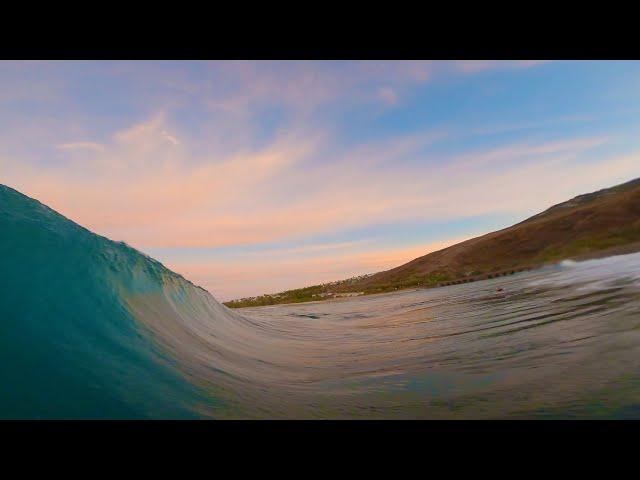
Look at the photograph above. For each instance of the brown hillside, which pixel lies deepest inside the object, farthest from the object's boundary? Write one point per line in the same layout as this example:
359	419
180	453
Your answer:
585	224
596	224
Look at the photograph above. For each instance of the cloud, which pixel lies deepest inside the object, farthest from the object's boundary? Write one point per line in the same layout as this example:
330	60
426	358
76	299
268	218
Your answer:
477	66
241	87
388	95
170	138
80	146
154	193
511	127
162	188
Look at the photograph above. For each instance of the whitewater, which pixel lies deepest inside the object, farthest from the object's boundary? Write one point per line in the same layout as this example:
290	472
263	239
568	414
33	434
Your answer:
94	329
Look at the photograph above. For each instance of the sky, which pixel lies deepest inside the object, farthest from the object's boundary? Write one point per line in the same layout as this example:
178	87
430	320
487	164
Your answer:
256	177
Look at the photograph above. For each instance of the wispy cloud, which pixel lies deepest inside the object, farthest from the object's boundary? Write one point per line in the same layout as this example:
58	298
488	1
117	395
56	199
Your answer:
80	146
476	66
511	127
167	197
388	95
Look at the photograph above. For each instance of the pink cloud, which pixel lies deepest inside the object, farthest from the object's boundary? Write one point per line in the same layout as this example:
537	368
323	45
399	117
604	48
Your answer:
80	146
477	66
150	192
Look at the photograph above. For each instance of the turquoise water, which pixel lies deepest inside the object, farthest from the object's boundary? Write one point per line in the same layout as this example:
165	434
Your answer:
69	346
91	328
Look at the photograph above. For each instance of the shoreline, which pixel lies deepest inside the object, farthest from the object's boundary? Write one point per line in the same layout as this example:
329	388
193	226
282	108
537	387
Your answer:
608	252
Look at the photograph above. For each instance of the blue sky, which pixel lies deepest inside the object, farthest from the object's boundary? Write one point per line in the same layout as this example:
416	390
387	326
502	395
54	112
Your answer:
253	177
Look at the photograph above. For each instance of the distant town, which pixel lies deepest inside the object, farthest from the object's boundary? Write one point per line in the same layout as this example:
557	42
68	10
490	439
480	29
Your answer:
323	291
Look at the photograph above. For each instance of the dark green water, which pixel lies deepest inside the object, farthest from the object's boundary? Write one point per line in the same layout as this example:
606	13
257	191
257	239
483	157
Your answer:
91	328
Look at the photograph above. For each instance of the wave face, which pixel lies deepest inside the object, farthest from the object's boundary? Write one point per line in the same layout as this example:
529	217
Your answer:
91	328
69	344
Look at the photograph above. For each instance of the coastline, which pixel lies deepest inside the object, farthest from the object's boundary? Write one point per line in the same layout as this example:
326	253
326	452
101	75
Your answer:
594	255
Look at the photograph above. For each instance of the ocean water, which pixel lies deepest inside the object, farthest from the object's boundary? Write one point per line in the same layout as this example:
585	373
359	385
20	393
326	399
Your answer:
91	328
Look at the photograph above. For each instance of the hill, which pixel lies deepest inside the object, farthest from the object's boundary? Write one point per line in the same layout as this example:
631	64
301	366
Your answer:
595	224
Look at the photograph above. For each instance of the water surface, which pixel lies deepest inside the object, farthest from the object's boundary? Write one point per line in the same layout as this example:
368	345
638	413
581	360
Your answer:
560	342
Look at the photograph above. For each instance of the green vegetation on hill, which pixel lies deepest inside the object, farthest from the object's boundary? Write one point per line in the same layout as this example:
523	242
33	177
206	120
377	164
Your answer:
306	294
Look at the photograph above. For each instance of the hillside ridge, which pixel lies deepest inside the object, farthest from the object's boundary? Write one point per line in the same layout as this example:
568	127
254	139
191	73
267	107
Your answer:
600	223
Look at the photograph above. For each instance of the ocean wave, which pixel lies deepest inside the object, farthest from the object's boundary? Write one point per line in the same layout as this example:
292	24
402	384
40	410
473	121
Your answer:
92	328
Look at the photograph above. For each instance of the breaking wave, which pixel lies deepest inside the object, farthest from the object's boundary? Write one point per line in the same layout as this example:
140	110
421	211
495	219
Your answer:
92	328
